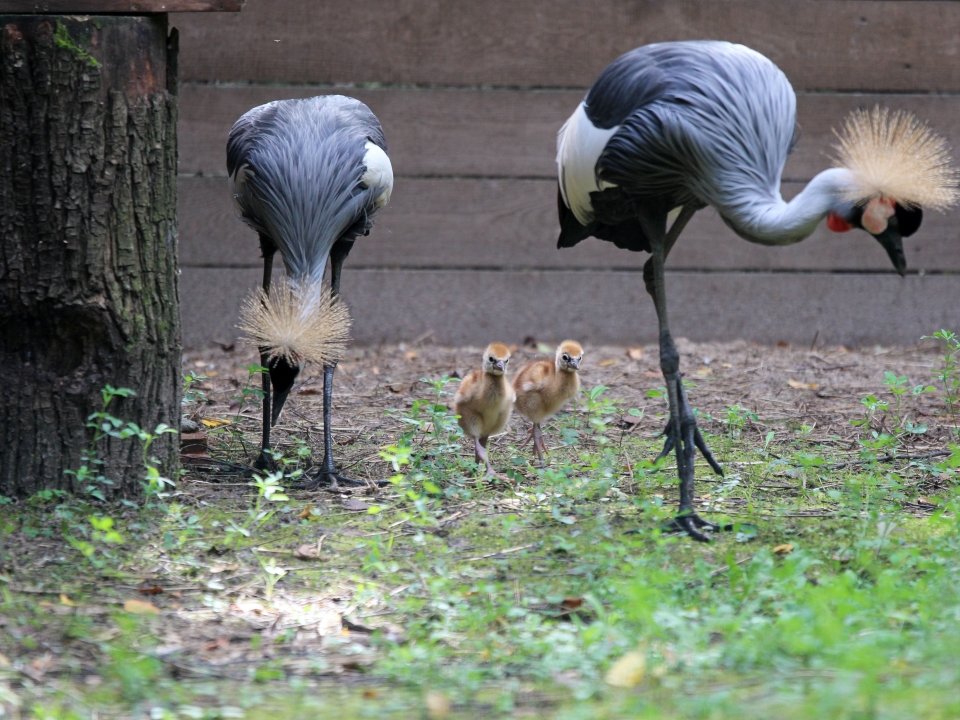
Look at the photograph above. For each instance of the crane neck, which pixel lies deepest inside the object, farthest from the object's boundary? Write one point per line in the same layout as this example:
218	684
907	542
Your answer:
774	221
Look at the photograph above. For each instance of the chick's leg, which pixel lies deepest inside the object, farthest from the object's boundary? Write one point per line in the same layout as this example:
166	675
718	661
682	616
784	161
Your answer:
682	431
538	445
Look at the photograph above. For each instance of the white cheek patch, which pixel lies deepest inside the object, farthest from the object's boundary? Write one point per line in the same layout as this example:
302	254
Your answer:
877	215
378	173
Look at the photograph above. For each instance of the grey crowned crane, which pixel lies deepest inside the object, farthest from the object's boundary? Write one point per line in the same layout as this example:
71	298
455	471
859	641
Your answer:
308	176
670	128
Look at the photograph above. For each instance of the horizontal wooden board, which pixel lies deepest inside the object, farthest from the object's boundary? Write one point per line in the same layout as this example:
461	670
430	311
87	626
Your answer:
820	44
500	132
474	308
469	223
125	7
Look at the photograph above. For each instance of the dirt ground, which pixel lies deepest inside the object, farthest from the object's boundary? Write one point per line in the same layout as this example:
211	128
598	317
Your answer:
213	613
786	387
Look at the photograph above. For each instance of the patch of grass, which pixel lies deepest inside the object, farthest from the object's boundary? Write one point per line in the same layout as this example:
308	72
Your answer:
444	595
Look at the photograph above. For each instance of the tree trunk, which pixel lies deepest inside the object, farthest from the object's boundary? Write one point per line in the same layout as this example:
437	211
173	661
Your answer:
88	244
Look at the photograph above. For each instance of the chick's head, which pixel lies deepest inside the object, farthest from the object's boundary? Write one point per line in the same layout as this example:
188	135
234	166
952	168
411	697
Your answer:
495	359
569	355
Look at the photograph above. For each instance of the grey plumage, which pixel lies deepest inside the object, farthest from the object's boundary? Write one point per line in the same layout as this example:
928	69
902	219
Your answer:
698	123
674	127
295	168
309	176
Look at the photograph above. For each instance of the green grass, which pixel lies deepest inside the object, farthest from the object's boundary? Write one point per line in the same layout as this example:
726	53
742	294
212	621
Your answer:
835	594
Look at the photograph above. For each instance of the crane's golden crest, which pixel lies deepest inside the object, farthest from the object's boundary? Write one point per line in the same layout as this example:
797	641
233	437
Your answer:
895	156
300	322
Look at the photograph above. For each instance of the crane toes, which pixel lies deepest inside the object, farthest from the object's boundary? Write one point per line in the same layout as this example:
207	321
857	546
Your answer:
691	524
265	463
332	480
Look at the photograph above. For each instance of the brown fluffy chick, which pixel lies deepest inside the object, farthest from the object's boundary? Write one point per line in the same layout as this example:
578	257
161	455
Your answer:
484	401
543	387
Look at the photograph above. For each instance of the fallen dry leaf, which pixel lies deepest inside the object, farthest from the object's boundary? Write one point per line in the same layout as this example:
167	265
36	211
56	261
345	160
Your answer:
5	661
926	501
608	363
215	422
410	355
797	385
307	551
306	513
214	569
652	374
397	388
330	624
783	549
704	371
634	353
355	505
150	590
64	600
310	391
627	671
437	704
140	607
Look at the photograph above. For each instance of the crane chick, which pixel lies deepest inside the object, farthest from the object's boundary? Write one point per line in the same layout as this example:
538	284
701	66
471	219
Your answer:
484	401
542	387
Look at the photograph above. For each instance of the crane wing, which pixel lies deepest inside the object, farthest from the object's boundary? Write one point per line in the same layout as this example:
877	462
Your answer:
308	172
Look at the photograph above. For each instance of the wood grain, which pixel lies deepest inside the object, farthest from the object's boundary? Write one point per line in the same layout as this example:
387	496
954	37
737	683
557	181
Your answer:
125	7
466	223
473	308
875	45
501	132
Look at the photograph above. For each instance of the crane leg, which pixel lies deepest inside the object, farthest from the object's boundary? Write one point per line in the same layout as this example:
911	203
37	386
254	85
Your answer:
328	474
265	460
682	433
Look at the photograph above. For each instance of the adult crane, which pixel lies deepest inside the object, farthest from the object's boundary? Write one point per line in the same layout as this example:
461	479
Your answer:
670	128
308	175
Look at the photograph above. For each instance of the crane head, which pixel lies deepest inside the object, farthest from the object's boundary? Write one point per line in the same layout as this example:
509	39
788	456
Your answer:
888	221
282	376
897	165
495	359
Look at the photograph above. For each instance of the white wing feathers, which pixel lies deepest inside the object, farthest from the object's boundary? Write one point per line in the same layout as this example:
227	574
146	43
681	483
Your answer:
379	173
579	145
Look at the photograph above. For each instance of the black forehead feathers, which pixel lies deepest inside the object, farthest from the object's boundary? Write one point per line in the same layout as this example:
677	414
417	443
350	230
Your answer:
908	219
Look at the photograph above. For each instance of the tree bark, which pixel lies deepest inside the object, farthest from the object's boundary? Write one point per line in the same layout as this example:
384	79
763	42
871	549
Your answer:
88	244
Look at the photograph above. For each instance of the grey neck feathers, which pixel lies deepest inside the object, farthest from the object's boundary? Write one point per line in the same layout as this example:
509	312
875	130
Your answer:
773	221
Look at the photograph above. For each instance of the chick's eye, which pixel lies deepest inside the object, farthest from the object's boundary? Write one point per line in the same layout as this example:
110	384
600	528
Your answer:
492	359
566	357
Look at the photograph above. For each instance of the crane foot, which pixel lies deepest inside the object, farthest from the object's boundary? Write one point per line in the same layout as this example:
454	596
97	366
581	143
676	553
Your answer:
332	480
670	443
692	524
265	463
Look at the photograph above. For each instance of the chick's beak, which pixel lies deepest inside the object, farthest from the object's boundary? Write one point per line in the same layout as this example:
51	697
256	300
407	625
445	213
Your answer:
893	243
574	363
499	365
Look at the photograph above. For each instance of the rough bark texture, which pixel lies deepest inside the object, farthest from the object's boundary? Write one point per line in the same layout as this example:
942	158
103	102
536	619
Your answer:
88	244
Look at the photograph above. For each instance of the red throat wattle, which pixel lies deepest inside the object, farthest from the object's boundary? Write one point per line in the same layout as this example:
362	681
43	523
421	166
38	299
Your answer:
836	223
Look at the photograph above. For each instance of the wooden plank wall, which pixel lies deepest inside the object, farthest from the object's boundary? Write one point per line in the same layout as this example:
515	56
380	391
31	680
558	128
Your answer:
471	96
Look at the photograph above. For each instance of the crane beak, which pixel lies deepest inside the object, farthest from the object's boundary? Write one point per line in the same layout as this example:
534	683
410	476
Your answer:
282	377
893	243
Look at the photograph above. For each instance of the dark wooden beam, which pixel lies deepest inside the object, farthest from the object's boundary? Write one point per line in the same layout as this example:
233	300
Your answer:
116	7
